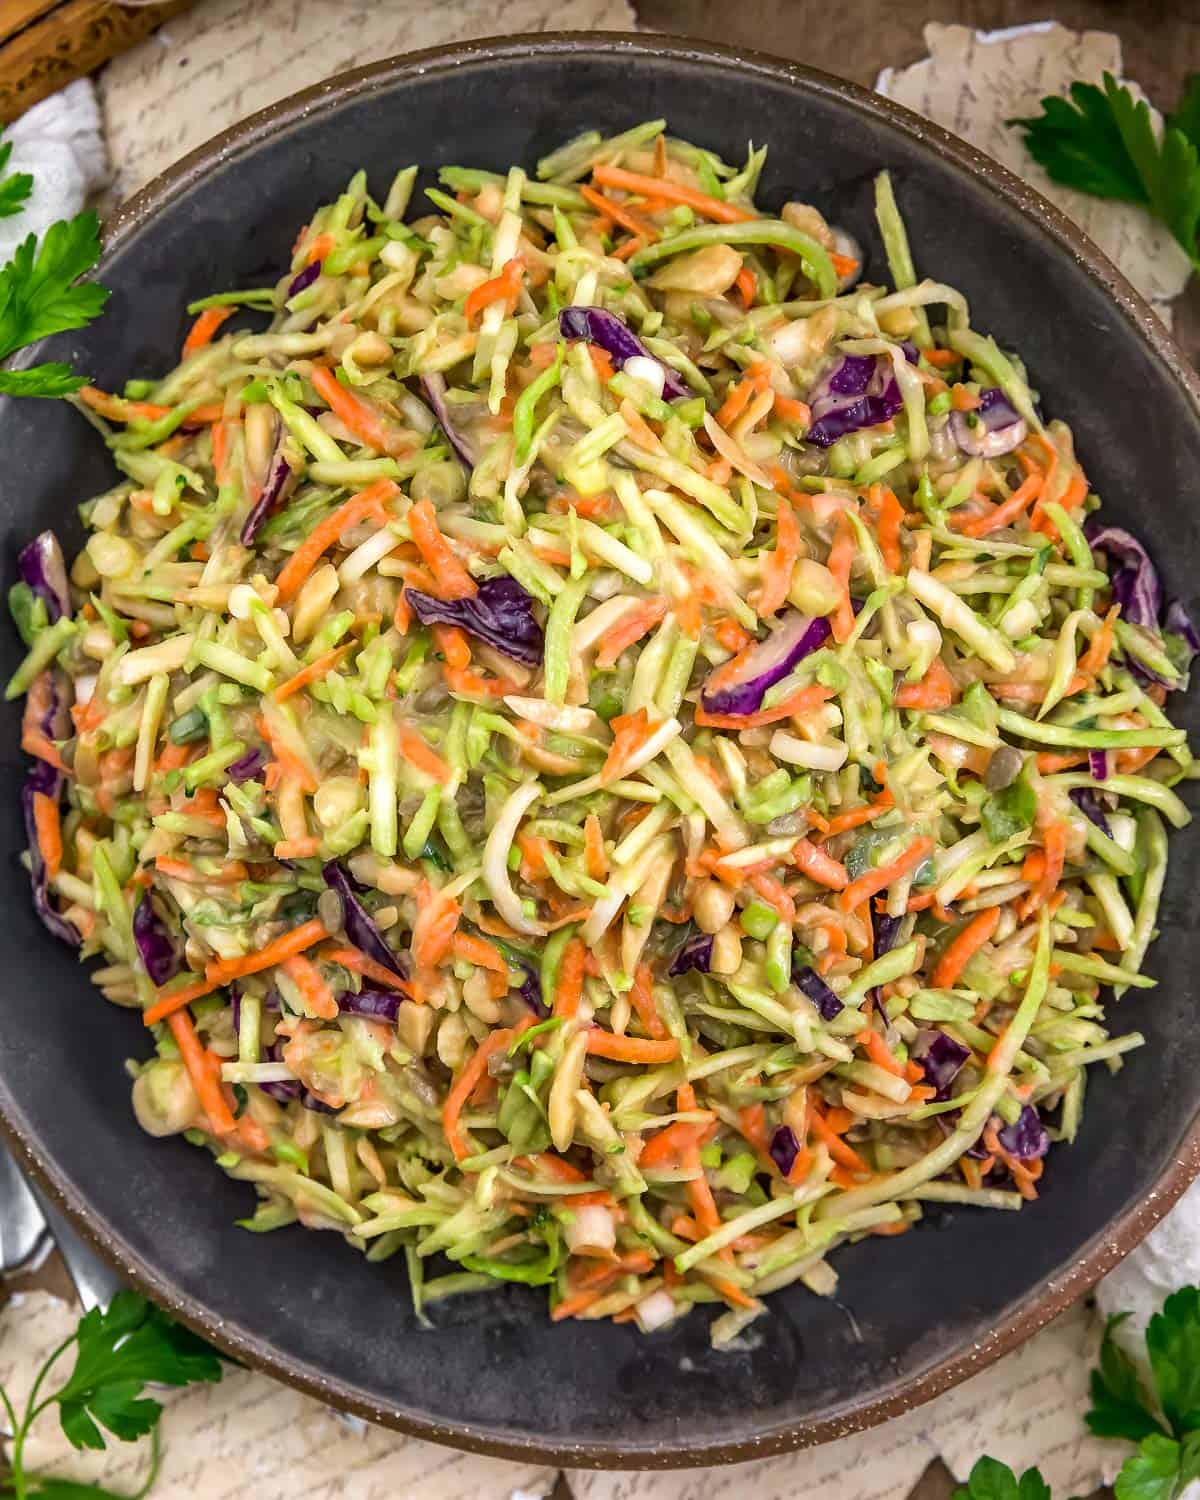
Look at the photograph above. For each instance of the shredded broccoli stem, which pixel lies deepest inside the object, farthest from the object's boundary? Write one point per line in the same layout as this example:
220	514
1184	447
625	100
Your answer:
560	732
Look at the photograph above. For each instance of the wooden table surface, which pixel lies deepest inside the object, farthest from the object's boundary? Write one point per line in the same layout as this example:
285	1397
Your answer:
1161	41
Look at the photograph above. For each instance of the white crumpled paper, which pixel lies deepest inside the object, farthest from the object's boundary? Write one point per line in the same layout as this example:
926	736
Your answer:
973	82
58	141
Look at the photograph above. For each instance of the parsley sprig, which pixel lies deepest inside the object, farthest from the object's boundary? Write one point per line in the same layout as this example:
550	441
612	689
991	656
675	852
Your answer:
40	290
15	188
1102	141
118	1352
1164	1420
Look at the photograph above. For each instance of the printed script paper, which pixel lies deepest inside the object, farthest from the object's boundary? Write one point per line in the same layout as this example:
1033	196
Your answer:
216	64
204	71
248	1433
972	82
248	1436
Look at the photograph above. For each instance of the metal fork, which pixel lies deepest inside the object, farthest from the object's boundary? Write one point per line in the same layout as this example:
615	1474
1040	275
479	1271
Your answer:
29	1224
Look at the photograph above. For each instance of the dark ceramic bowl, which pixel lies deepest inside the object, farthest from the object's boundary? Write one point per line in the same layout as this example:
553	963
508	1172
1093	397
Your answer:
911	1315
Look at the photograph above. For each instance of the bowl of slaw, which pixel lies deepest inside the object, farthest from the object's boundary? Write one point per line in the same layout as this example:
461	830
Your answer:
906	1320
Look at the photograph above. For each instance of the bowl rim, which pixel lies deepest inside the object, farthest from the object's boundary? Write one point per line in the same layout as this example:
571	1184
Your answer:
1043	1302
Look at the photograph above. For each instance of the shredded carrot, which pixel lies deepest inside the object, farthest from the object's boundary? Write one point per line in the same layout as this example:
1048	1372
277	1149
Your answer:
844	1155
178	869
453	580
298	848
437	920
368	502
505	288
963	399
792	410
602	364
936	690
889	524
48	824
290	763
116	409
802	701
312	673
630	732
840	561
568	988
631	627
220	450
222	970
964	946
775	896
359	963
35	743
321	246
619	214
671	192
941	359
631	1049
478	951
867	885
1095	658
738	398
1054	849
641	997
204	1071
533	854
307	978
417	752
173	757
204	416
1052	761
1003	514
640	431
879	1052
819	866
747	284
204	328
594	853
671	1144
474	1069
1129	761
731	635
752	1122
842	822
778	566
362	417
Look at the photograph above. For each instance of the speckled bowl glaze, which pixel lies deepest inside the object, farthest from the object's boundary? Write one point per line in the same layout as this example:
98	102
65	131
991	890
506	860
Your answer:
911	1316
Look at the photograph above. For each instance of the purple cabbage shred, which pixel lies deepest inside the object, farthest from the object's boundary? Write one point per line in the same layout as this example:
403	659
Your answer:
694	953
500	613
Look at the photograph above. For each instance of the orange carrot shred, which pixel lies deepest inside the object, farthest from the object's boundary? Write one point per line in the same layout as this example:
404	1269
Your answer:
205	326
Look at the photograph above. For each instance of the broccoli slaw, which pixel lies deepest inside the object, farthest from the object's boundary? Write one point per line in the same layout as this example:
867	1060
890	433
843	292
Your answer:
608	751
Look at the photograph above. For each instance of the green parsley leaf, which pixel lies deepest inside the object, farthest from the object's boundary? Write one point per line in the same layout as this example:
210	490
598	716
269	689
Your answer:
1119	1405
120	1351
1103	142
1173	1341
1186	118
1189	1461
40	380
1153	1471
15	188
66	1489
38	291
992	1480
